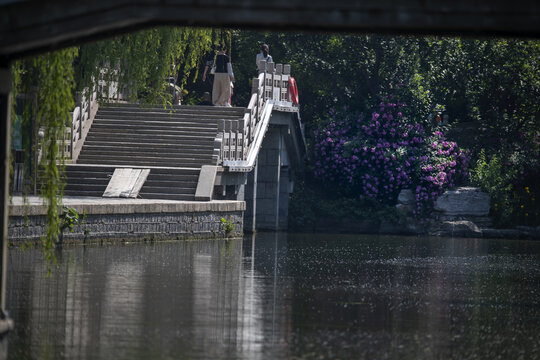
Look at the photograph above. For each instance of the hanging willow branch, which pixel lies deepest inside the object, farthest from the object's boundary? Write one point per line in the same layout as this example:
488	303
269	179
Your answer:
141	62
55	103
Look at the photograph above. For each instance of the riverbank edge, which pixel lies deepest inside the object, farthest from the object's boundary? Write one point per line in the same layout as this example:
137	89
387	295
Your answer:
458	228
108	220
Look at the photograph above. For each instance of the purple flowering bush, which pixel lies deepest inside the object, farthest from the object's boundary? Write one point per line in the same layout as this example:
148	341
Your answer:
375	157
441	166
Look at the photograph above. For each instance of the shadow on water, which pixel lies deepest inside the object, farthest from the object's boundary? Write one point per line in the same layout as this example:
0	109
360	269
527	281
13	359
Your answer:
278	295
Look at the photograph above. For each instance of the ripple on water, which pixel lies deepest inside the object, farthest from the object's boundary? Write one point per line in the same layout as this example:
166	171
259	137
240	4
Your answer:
306	296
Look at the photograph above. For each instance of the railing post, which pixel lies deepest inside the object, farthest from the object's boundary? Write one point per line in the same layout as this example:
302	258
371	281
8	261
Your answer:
76	131
238	149
234	132
255	90
246	135
287	71
71	144
279	76
221	129
271	72
228	140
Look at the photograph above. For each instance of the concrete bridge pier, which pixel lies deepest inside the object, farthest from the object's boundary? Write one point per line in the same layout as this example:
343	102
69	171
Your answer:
270	183
267	190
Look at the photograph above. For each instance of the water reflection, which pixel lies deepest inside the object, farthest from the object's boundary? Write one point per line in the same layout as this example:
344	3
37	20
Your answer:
280	296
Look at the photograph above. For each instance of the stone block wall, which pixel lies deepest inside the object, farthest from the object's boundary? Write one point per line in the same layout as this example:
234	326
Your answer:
134	220
133	226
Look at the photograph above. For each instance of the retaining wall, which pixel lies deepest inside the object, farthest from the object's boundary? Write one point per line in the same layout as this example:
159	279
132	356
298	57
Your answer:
139	220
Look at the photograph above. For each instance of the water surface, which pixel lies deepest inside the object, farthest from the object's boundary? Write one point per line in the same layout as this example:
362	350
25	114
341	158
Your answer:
280	296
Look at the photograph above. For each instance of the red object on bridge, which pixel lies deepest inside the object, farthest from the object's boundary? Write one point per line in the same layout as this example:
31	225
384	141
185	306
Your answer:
293	91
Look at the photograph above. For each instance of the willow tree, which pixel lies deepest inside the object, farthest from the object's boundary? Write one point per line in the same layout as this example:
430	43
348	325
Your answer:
52	76
140	61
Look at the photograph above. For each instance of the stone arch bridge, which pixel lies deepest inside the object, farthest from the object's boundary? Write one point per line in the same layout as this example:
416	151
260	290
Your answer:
192	153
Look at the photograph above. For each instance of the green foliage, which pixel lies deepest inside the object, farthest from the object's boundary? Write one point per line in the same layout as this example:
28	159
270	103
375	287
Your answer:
494	83
227	226
52	76
311	203
513	196
71	217
56	101
142	62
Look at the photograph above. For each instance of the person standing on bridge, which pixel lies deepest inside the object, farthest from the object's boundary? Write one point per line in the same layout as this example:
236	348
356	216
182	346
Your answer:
221	91
264	55
208	66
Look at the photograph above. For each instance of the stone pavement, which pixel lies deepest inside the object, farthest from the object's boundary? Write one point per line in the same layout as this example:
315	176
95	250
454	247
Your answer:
34	205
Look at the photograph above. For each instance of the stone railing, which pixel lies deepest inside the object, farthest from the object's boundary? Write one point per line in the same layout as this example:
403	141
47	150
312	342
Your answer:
240	140
86	105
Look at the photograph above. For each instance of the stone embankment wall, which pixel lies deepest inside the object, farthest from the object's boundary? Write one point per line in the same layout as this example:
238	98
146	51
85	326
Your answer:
462	212
136	221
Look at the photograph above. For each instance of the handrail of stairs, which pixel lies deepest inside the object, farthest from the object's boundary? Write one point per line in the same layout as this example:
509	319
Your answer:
242	139
86	106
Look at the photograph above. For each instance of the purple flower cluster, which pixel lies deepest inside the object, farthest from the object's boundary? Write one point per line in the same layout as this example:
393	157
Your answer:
378	156
440	167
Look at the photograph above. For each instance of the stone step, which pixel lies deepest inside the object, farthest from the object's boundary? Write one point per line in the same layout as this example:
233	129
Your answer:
154	132
175	147
153	170
174	109
111	151
174	143
122	137
159	174
165	122
163	116
77	171
82	180
182	145
142	195
85	187
135	156
184	197
176	112
173	183
161	180
144	162
149	187
79	192
121	124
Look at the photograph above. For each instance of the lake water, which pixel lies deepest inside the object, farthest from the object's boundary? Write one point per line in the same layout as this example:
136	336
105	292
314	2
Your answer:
280	296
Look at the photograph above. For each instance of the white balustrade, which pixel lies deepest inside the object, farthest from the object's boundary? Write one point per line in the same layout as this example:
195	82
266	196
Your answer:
85	102
243	138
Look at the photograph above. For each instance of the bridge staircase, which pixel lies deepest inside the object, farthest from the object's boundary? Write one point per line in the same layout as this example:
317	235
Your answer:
174	143
197	153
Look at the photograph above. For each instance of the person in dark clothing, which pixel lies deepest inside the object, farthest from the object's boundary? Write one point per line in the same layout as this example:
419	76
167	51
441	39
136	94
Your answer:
221	91
209	62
